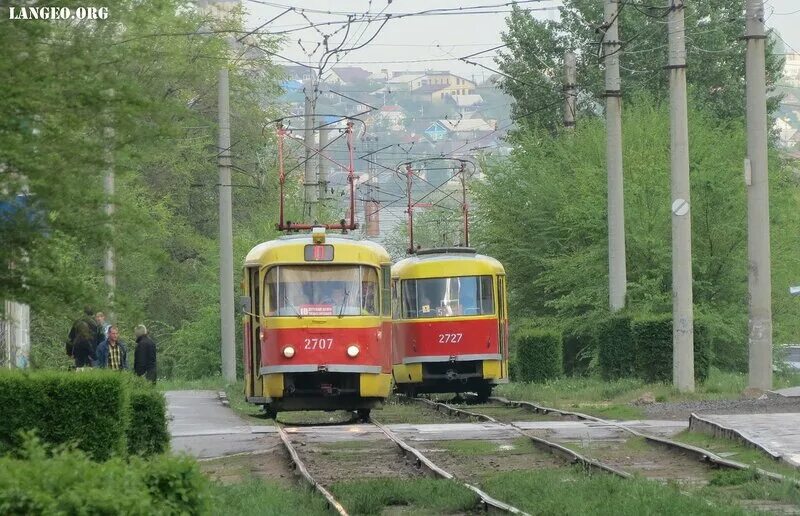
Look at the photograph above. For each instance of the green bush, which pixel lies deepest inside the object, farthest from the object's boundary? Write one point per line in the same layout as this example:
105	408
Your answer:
69	482
578	350
87	408
616	352
653	339
538	354
147	430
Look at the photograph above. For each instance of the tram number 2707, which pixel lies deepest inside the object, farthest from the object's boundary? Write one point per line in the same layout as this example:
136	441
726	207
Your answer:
318	343
450	338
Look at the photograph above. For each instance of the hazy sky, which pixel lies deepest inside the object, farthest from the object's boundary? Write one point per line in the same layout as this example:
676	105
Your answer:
434	41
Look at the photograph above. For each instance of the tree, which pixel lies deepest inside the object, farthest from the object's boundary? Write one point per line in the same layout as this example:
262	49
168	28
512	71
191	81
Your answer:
148	75
532	63
556	255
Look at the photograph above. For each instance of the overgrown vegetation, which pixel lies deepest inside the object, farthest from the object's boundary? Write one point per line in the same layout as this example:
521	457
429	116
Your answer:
257	497
559	275
574	491
66	481
424	495
613	398
142	73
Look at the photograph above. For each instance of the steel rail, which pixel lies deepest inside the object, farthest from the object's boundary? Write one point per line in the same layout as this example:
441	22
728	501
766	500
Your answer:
570	455
301	467
703	455
421	460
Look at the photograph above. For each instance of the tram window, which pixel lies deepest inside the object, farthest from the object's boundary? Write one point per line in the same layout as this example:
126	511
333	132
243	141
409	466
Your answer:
487	306
322	290
272	291
395	300
447	297
386	272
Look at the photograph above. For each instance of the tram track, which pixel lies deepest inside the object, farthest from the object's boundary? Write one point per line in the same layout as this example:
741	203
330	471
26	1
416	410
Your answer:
658	448
415	463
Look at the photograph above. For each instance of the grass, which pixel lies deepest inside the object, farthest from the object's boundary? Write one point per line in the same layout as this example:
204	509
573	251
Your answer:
736	451
472	447
574	491
396	411
209	383
613	398
415	496
257	497
746	485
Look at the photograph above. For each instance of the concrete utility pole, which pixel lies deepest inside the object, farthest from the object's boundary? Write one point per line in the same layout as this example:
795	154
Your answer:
225	232
682	308
758	252
309	176
322	174
569	90
109	265
617	274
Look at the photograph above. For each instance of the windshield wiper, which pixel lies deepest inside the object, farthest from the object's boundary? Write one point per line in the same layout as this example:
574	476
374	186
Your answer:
286	302
344	303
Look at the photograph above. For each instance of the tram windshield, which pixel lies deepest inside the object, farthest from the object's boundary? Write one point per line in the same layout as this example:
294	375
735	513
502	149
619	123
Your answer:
447	297
322	290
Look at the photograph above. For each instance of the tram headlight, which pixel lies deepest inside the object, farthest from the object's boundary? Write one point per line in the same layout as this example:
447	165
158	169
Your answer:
288	351
352	351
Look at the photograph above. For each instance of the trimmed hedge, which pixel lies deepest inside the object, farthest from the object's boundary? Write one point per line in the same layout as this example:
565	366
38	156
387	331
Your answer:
147	432
538	354
87	408
653	338
616	351
578	350
71	483
103	413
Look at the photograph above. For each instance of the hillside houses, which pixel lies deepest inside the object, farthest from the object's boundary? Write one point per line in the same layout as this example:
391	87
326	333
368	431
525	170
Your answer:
401	116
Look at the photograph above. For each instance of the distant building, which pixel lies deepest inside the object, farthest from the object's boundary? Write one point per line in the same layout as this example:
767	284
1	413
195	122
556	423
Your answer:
406	82
461	128
393	117
465	104
298	73
347	75
791	69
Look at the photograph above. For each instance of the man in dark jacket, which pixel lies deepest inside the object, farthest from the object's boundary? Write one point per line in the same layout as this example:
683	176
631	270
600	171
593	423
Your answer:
81	349
85	324
112	353
144	358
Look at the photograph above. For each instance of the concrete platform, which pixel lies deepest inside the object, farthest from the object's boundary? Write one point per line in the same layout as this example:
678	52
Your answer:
777	434
202	426
789	392
196	413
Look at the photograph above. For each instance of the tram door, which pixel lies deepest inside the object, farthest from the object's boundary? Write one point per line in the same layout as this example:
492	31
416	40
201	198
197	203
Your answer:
255	329
502	319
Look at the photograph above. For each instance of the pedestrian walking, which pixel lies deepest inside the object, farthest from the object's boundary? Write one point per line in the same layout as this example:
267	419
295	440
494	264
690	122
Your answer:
144	358
112	353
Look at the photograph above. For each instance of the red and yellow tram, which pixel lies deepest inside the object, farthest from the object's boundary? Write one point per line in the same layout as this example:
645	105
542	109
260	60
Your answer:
317	324
450	322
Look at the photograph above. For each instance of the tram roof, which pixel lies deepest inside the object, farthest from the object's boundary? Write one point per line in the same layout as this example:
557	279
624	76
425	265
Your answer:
434	263
290	249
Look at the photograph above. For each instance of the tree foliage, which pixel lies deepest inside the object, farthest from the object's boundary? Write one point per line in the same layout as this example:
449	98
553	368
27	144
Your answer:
532	63
136	92
552	233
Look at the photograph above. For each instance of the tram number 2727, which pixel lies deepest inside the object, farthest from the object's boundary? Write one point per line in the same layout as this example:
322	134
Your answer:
450	338
318	343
